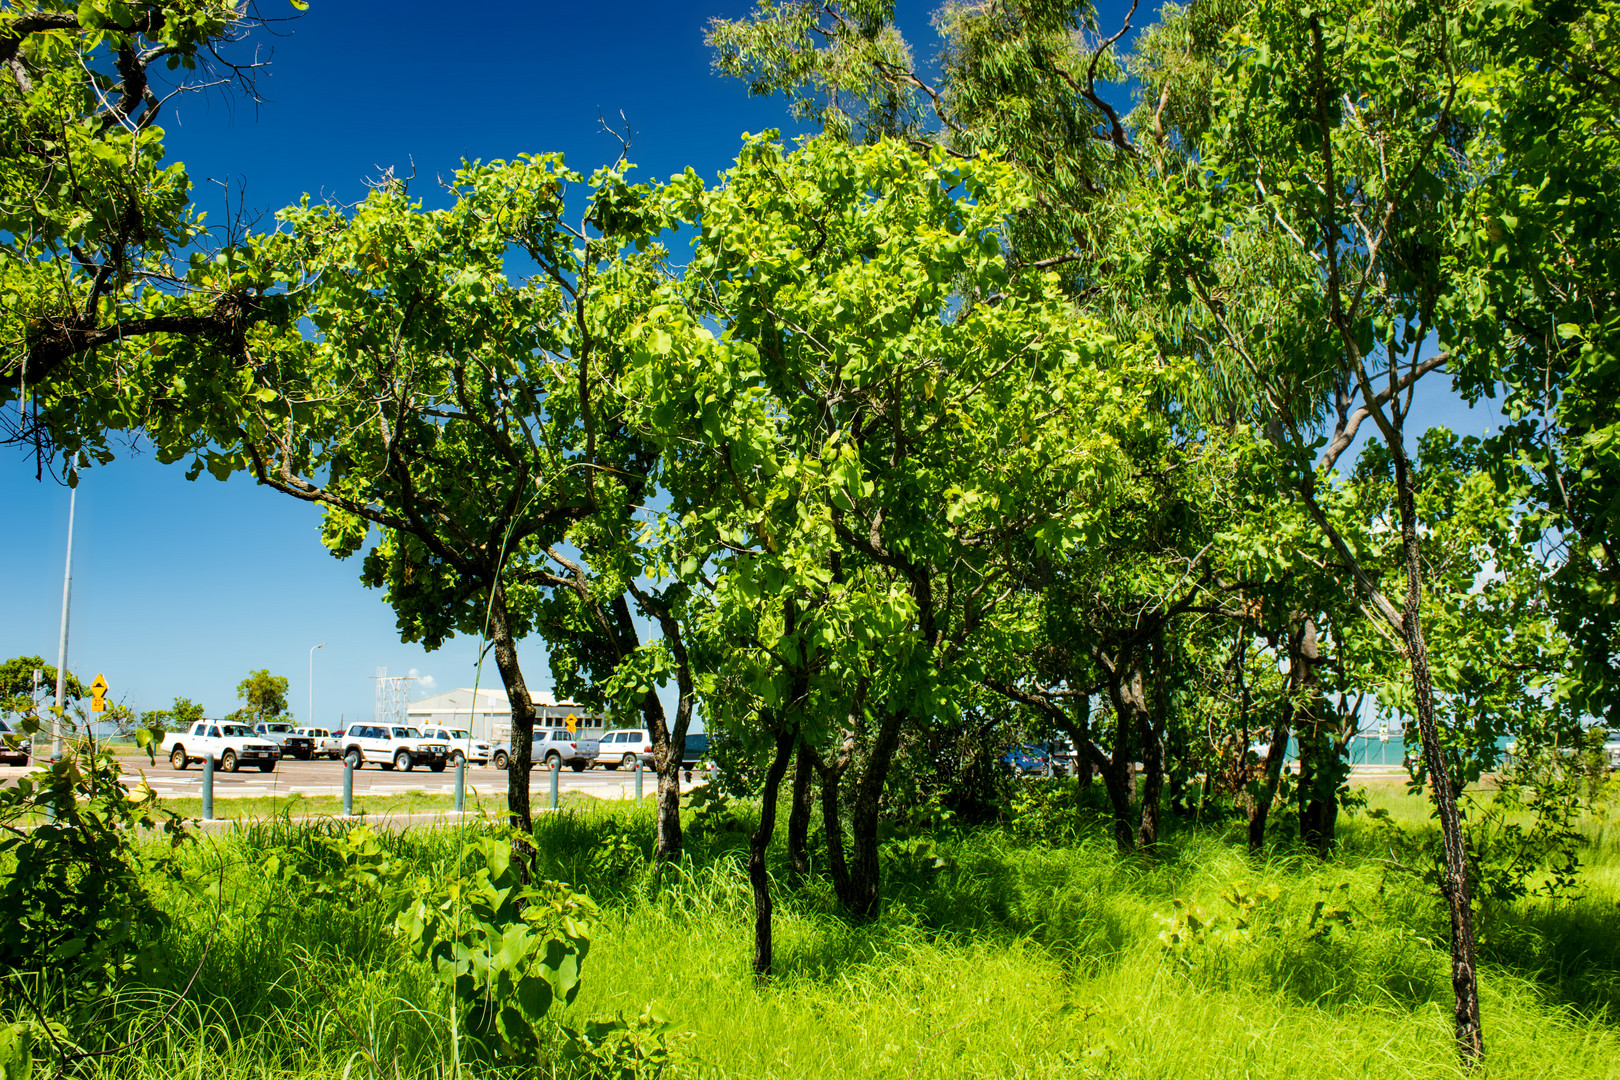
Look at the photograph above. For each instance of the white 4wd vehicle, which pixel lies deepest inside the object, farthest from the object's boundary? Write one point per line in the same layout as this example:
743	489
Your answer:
325	742
463	747
551	745
400	748
230	745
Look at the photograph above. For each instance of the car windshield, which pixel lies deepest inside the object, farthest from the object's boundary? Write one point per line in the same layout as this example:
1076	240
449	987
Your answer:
4	727
279	729
461	734
235	731
407	733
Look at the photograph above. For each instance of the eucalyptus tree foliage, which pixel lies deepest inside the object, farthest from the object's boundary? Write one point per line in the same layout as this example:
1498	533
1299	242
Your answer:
1501	659
1335	144
95	224
885	422
1016	78
1539	308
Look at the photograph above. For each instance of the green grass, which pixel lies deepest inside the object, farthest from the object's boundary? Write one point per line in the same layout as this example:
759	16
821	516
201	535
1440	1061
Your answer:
994	956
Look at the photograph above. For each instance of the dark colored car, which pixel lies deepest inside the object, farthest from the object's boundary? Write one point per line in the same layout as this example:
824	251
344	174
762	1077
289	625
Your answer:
1029	760
293	743
16	749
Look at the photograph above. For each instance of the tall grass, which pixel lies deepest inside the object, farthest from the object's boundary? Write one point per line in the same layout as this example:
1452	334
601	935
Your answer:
995	955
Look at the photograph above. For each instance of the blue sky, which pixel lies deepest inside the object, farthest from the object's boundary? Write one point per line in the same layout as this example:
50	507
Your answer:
181	587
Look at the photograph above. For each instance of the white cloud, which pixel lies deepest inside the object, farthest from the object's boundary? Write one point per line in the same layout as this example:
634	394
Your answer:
425	681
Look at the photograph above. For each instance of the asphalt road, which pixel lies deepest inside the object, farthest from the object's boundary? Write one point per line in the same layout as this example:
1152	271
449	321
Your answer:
326	778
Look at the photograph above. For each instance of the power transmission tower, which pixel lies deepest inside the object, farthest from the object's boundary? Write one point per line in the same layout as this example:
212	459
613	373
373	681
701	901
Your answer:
392	691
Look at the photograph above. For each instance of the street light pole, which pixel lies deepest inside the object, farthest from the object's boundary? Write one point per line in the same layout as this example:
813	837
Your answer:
61	648
309	721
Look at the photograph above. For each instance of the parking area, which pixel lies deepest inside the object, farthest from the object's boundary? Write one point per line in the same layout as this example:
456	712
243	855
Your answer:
326	778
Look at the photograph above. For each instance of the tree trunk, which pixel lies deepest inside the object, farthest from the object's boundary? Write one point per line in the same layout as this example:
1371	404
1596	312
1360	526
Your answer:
798	838
517	693
668	741
1116	778
1125	692
758	875
864	871
1318	772
669	745
837	864
1272	771
1147	834
1454	883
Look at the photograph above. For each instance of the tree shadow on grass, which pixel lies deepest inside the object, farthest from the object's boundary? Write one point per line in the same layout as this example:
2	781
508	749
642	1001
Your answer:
1568	949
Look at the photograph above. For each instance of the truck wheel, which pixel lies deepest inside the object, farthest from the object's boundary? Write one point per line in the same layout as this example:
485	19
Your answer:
436	766
227	761
402	761
458	759
628	761
501	761
353	759
178	758
267	766
610	766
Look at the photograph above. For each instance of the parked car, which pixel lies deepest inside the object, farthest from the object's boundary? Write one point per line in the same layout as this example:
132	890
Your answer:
229	745
1061	753
463	747
1028	760
578	752
401	748
1611	754
15	747
621	748
326	743
293	744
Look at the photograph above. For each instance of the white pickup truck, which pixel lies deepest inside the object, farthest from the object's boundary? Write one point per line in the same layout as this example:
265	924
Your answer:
551	748
230	745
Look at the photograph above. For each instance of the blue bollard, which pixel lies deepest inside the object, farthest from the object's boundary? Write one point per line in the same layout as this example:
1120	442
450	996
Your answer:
556	771
461	787
208	786
638	778
348	789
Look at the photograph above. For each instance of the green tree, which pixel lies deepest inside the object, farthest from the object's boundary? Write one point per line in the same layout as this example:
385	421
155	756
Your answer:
94	225
1538	321
17	686
178	717
454	421
887	417
264	696
1309	225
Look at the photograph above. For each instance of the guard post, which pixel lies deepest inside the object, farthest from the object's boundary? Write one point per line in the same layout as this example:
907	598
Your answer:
348	788
556	771
638	777
461	786
208	785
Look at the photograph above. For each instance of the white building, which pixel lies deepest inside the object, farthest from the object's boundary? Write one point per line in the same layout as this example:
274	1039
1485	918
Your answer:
490	715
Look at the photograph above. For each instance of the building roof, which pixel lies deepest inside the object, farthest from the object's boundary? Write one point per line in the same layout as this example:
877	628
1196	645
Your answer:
489	700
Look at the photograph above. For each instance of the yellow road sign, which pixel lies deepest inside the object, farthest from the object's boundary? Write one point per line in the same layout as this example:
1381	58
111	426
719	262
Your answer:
572	722
98	693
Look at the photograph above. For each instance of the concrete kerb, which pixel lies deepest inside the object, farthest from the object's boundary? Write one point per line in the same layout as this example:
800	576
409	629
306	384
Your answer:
394	822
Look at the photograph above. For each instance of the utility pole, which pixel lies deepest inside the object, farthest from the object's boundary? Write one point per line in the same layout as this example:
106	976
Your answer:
309	719
60	712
